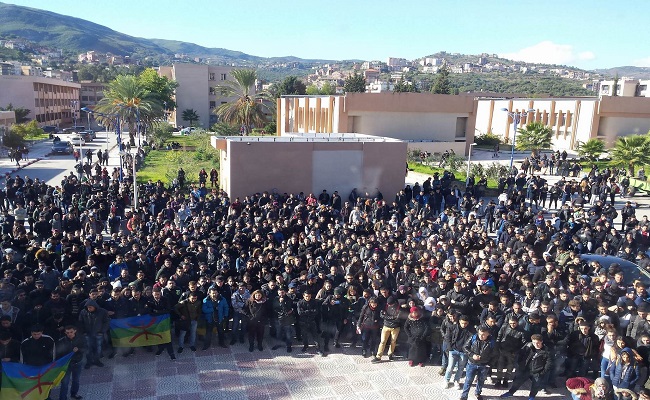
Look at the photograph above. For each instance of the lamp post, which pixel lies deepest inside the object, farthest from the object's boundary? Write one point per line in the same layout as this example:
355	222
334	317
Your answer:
516	118
73	104
469	158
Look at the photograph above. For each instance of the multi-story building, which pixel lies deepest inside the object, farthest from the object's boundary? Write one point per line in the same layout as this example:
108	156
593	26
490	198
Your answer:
195	91
50	101
625	87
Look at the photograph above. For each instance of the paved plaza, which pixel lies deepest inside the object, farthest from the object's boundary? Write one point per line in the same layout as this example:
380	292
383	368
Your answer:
236	374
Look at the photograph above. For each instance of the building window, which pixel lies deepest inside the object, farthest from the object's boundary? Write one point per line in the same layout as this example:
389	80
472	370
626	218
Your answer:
211	90
213	104
211	76
640	90
223	77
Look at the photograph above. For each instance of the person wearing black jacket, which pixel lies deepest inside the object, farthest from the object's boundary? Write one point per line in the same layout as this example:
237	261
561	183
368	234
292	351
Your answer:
258	311
159	305
71	343
534	364
9	347
481	352
457	335
582	348
390	330
368	325
38	349
335	313
283	311
308	314
509	341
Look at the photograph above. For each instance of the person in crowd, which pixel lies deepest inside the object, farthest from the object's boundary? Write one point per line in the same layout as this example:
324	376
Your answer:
258	309
534	364
76	344
417	331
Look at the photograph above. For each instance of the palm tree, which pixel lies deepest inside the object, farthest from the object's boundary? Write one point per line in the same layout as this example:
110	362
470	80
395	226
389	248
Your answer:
246	109
127	97
535	136
631	151
190	115
591	149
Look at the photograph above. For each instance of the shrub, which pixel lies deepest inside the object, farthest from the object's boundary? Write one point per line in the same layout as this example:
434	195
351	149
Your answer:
270	128
487	139
224	129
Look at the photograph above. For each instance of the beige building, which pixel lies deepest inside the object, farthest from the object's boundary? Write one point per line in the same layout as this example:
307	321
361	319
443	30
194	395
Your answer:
195	91
573	120
7	118
437	123
51	101
625	87
310	163
427	121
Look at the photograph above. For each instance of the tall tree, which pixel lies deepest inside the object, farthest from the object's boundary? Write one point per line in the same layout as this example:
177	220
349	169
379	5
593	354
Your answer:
442	85
535	136
161	87
631	151
190	115
247	107
128	97
355	83
291	85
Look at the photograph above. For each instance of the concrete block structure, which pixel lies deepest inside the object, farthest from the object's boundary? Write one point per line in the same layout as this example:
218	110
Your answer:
309	163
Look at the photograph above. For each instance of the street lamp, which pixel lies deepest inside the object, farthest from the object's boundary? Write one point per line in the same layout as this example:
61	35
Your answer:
516	118
73	104
469	158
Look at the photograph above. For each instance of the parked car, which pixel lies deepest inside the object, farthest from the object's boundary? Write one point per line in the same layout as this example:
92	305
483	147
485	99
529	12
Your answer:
87	135
62	147
78	139
631	271
73	129
187	131
50	129
92	134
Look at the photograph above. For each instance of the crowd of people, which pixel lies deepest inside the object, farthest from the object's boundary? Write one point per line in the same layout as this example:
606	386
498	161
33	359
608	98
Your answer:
421	278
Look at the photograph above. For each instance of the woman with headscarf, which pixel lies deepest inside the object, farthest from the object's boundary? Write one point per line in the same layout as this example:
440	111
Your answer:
584	389
417	331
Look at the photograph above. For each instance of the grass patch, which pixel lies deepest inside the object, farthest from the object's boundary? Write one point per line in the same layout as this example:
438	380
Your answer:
37	137
460	176
163	165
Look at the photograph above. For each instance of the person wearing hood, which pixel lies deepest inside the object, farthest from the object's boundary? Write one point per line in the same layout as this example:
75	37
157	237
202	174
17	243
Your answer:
624	373
94	322
417	331
586	389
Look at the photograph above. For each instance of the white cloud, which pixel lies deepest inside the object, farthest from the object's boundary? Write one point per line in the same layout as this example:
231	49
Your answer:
642	62
548	52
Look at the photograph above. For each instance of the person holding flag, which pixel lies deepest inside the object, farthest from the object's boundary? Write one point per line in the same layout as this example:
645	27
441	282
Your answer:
75	344
159	305
94	322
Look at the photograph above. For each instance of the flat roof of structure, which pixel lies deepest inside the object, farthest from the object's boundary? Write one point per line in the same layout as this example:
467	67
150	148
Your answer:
311	137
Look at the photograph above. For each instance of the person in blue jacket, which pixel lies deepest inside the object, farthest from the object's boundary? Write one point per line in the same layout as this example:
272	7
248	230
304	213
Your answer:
215	310
624	373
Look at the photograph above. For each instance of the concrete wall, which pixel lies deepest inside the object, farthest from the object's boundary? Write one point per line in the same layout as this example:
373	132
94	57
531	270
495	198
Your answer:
293	167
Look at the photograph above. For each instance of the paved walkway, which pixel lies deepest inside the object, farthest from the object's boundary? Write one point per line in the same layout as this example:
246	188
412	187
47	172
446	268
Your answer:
235	374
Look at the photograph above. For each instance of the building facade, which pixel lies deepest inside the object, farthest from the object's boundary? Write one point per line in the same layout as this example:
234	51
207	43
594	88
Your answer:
195	91
311	163
437	123
427	121
50	101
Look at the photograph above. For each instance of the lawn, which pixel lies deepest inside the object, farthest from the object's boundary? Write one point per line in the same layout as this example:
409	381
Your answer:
461	176
163	165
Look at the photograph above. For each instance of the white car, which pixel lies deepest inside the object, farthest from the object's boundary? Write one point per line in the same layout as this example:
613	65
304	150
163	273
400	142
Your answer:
77	140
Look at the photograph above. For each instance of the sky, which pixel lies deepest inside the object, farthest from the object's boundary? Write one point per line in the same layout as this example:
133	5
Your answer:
587	34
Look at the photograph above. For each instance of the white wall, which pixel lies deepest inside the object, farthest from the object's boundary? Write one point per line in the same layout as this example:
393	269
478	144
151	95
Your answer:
611	127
